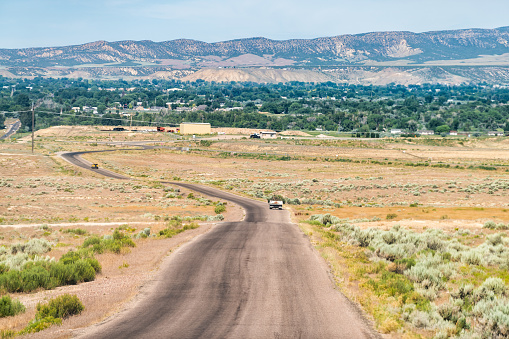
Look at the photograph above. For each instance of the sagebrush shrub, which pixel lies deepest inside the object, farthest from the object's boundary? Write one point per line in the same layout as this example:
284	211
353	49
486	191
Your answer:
326	219
391	216
472	257
492	318
490	224
491	288
33	246
494	239
145	233
217	217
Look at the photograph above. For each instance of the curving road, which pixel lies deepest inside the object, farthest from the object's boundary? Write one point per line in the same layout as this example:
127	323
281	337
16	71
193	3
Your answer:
75	159
12	129
258	278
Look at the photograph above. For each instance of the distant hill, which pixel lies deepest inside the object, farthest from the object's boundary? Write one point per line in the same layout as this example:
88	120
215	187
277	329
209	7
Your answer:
181	58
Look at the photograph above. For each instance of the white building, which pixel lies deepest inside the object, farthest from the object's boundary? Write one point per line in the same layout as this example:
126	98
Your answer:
496	133
268	135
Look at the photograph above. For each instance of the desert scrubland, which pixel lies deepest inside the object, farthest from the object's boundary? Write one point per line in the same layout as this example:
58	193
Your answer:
413	229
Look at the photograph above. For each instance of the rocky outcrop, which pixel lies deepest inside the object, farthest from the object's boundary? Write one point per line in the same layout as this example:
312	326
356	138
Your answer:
351	49
307	60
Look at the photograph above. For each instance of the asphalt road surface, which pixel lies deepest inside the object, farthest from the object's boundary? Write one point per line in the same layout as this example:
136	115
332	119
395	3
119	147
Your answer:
257	278
11	130
75	159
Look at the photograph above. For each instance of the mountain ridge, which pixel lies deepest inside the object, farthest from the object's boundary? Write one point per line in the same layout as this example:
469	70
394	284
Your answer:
465	47
350	48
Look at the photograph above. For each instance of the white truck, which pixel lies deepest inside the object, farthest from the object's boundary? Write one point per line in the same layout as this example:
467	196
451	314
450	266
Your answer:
277	204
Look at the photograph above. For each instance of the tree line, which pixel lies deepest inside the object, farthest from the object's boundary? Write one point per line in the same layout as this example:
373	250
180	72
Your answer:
294	105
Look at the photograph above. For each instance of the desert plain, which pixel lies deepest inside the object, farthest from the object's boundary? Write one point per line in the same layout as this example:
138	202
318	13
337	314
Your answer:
455	185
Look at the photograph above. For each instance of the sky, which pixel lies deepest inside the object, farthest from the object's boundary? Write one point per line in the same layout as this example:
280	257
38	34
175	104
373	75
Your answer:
50	23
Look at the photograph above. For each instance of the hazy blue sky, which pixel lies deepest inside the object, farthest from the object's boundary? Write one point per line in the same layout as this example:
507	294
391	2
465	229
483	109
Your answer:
35	23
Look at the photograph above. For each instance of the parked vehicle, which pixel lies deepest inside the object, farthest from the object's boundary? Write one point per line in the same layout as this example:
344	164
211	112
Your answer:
255	136
95	166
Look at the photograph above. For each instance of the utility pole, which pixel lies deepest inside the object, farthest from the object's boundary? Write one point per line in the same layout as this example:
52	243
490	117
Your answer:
33	123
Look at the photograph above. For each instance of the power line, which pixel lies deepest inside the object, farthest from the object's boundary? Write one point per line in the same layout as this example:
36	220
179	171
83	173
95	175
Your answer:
97	117
3	112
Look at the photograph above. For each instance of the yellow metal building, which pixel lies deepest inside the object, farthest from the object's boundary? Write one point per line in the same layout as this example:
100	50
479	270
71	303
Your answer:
195	128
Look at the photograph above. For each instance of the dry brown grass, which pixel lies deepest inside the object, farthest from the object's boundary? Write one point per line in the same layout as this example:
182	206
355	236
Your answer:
81	206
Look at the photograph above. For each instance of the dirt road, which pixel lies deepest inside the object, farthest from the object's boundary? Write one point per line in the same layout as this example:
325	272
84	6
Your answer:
258	278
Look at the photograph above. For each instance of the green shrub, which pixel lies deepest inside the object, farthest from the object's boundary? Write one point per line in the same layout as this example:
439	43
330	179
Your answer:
84	271
113	243
72	268
219	209
170	232
77	231
37	325
85	255
7	333
93	240
145	233
9	307
391	216
62	275
34	277
11	281
62	307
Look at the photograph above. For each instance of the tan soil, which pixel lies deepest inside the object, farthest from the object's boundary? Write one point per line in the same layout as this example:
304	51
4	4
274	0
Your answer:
259	75
237	131
295	133
90	196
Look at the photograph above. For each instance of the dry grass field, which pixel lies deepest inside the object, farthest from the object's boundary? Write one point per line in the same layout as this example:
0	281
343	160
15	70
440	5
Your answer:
454	186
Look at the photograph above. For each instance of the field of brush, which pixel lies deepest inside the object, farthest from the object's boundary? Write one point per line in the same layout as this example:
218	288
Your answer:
414	229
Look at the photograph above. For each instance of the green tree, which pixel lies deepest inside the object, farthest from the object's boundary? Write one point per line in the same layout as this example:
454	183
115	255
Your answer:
442	129
22	100
412	125
101	109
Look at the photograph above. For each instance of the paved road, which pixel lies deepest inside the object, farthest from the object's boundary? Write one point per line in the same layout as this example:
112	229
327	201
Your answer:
258	278
75	159
11	130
